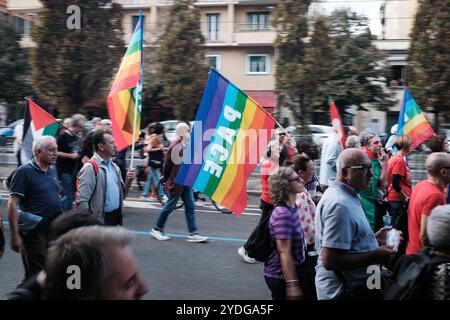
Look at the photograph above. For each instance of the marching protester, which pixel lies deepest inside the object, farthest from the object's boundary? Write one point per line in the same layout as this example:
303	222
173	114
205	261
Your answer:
100	185
155	151
331	149
17	143
87	148
399	187
309	148
69	148
439	143
105	259
372	197
426	195
304	167
33	203
269	164
175	191
282	269
345	242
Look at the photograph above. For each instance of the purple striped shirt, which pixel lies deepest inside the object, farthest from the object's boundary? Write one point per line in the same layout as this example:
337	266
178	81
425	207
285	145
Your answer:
284	223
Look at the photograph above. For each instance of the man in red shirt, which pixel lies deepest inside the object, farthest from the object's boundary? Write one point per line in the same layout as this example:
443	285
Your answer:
425	196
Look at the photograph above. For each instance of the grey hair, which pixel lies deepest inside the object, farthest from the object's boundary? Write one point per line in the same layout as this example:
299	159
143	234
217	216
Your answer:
86	248
41	142
438	227
78	120
365	137
279	185
347	159
352	142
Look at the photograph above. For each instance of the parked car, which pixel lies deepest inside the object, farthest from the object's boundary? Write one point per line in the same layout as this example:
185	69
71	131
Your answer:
170	126
6	134
319	132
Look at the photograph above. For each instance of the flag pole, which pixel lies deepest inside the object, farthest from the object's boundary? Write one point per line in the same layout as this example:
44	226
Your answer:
136	92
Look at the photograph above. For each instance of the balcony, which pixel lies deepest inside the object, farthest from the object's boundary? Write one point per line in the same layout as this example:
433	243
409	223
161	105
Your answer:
251	34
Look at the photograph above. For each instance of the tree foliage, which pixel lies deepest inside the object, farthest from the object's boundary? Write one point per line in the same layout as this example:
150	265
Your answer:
13	66
337	59
357	74
74	67
291	23
181	60
429	57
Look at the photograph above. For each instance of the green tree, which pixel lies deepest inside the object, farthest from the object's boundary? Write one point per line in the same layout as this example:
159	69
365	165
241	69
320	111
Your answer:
429	58
356	76
182	69
319	62
73	67
291	23
13	68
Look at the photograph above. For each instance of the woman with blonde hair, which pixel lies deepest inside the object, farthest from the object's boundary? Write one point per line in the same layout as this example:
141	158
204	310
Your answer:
282	268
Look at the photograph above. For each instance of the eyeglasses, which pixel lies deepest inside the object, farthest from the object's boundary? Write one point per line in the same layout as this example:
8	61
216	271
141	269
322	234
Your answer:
376	142
361	167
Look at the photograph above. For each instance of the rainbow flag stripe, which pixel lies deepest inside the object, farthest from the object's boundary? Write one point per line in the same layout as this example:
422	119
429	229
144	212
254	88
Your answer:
121	100
241	131
412	121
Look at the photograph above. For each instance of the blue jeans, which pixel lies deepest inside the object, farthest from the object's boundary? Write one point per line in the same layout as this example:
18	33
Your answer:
67	185
153	177
189	208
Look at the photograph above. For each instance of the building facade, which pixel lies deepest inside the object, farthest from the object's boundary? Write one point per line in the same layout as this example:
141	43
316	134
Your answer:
238	39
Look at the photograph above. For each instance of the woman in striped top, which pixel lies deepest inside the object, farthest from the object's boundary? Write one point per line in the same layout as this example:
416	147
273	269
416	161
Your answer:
281	268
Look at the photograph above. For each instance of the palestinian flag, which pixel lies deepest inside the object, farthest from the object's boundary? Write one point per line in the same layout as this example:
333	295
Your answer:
37	122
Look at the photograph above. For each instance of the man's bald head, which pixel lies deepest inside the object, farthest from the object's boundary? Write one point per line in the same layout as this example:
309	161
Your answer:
436	162
350	157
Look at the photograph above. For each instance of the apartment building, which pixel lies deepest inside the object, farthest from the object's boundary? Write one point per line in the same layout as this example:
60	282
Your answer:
397	19
238	39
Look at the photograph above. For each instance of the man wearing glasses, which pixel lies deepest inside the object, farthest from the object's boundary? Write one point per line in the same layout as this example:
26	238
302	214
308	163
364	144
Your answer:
346	244
427	195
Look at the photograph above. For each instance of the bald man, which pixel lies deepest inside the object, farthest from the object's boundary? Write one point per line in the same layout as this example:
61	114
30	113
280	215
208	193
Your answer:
346	244
425	196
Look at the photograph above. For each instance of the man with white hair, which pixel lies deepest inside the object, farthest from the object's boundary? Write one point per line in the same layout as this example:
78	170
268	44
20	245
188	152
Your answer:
346	244
171	166
33	203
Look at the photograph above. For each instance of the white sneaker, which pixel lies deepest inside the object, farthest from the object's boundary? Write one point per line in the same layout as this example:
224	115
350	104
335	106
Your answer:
164	199
245	256
158	235
197	238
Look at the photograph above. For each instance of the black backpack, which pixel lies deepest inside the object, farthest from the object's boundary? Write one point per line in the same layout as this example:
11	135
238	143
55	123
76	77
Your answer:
262	246
411	274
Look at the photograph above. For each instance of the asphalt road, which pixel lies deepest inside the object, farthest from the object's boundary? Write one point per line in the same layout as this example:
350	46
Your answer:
176	269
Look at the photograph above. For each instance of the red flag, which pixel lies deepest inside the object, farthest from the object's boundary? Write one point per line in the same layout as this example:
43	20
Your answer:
40	117
336	122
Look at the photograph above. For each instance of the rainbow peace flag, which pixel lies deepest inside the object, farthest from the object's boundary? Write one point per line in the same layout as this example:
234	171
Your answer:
412	121
231	130
126	92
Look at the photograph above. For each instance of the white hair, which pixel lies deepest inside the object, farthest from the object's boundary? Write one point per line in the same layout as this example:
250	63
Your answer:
438	227
181	127
41	142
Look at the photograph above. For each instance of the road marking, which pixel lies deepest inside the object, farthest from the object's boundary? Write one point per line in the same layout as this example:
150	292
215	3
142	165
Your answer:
174	235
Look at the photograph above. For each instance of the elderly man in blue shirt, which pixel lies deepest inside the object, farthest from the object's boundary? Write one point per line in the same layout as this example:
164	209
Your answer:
100	186
346	244
34	202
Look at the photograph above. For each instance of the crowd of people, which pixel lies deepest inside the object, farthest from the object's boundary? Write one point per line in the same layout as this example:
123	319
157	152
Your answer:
324	232
328	231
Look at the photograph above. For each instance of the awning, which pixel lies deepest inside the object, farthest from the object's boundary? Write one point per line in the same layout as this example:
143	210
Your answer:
266	99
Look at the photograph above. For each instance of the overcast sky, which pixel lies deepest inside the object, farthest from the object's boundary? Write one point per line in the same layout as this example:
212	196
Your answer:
368	8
